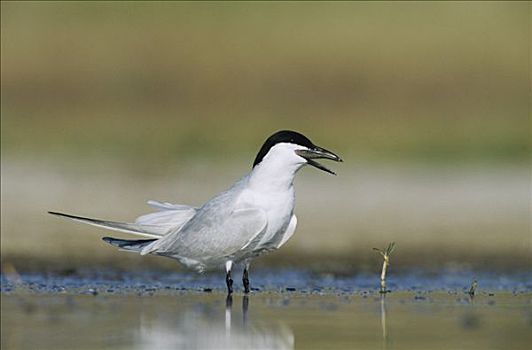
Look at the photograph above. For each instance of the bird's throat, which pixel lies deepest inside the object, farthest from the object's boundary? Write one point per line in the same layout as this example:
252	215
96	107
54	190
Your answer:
271	178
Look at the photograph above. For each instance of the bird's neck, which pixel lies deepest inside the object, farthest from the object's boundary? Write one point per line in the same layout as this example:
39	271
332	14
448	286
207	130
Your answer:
273	176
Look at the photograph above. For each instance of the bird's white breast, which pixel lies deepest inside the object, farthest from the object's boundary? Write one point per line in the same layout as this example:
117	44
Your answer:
278	206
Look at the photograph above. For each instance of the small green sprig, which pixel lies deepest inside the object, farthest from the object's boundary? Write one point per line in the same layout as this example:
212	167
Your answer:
386	256
473	288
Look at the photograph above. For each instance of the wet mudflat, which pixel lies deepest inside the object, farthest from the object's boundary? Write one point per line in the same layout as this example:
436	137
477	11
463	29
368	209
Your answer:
290	309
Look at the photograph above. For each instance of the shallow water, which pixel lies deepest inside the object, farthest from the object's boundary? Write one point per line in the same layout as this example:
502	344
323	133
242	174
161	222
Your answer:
288	309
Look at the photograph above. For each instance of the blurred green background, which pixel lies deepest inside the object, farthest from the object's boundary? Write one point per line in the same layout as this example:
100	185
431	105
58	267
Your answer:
108	104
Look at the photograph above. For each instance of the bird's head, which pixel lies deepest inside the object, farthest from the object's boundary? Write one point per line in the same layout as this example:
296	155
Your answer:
286	148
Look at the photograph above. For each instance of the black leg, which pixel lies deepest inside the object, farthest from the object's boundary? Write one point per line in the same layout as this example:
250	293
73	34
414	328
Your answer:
245	280
229	282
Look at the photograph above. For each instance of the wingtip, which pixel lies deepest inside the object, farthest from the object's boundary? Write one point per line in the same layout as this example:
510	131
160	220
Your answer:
68	216
63	215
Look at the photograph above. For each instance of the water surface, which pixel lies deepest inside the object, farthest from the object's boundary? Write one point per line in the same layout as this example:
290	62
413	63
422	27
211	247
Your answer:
287	310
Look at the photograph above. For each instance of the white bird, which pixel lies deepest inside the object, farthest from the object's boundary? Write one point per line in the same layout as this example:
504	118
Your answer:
253	217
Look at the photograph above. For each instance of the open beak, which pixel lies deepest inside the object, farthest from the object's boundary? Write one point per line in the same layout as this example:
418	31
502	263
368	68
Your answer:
318	153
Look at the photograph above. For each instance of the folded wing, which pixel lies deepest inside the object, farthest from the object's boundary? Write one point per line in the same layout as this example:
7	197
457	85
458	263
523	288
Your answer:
209	237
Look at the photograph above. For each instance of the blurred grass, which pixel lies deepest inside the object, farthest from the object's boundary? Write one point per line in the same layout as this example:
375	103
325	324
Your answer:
153	83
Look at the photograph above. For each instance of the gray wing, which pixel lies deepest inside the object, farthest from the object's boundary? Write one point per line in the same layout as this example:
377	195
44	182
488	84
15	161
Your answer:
212	239
220	228
169	216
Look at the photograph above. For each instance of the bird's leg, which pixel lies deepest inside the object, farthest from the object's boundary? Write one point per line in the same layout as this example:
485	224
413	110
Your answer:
245	281
229	282
245	278
228	279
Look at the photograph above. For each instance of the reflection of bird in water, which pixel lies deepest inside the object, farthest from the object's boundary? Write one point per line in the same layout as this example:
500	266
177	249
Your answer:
197	328
229	308
245	307
255	216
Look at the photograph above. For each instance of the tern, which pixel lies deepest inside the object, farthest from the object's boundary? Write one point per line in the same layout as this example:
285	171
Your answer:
253	217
